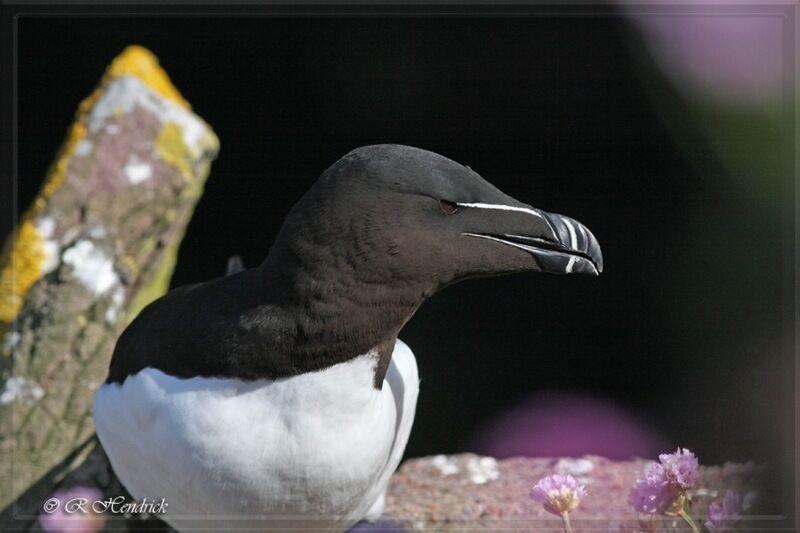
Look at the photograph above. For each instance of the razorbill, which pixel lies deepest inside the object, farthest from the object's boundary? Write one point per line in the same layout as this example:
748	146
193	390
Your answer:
280	396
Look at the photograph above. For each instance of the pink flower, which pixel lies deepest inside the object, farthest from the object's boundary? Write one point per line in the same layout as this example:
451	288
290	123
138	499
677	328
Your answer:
558	494
70	511
680	467
652	495
722	513
663	489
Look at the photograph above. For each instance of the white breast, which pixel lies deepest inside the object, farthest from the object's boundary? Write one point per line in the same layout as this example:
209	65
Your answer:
314	450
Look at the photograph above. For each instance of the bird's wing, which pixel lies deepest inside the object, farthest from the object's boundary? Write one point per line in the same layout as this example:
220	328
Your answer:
403	380
197	330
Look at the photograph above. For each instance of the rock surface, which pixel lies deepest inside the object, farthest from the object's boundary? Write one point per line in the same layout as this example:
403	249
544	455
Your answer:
468	492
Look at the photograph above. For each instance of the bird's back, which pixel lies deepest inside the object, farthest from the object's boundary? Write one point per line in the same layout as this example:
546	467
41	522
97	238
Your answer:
206	330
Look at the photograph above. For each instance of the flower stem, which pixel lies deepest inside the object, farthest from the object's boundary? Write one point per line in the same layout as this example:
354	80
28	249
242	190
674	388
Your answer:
567	525
688	519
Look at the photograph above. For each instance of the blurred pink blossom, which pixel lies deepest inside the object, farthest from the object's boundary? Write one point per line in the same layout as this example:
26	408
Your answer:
724	512
70	511
732	57
560	424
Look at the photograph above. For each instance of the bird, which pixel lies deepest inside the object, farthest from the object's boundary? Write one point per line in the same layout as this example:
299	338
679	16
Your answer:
280	396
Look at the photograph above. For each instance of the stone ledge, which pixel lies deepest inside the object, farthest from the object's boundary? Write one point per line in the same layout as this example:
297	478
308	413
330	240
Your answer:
467	492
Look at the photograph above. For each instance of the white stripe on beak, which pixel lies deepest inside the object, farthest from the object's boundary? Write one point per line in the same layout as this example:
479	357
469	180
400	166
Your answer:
502	207
583	233
573	238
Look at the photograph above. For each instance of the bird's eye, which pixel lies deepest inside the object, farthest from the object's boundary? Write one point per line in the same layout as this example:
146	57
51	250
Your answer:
447	207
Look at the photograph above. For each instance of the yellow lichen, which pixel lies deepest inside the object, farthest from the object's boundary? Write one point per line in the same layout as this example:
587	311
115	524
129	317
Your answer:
127	264
133	61
23	267
140	62
172	150
22	261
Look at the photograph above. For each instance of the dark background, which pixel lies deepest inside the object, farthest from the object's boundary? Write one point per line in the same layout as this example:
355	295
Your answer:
692	333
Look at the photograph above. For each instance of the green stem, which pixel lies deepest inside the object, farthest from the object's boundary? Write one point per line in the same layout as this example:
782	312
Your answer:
688	519
567	525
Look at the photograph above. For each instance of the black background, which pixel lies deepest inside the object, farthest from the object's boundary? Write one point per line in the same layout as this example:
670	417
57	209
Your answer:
551	109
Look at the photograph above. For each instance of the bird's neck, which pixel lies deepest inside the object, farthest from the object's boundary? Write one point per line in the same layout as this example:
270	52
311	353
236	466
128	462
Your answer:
340	309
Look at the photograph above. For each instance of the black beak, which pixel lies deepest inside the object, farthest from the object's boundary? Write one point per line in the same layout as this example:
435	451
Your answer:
568	247
575	249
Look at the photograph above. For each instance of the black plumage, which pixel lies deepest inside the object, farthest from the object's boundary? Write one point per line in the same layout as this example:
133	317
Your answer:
381	230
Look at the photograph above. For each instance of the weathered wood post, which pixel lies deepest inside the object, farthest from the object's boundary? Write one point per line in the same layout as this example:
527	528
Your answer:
99	242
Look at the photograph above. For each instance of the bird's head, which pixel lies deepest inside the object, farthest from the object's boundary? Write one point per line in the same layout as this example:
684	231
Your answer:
397	214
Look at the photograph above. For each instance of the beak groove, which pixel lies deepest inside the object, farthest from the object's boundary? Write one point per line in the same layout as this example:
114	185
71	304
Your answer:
573	250
576	239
